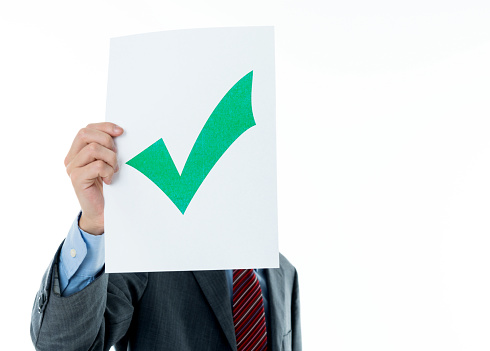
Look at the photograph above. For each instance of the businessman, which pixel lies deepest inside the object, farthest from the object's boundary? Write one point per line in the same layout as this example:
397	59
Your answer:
79	307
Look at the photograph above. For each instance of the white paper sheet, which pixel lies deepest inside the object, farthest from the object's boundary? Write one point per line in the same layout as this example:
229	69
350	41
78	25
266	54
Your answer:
166	85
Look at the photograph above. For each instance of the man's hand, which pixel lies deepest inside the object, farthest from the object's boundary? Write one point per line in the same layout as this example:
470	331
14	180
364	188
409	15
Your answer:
91	161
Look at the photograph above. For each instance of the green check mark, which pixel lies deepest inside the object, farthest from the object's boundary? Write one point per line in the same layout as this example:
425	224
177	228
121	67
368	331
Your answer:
231	118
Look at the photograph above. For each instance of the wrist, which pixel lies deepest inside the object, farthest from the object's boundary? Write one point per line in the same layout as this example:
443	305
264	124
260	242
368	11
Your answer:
90	226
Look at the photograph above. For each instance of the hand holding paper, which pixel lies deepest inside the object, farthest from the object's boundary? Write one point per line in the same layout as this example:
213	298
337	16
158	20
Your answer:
91	161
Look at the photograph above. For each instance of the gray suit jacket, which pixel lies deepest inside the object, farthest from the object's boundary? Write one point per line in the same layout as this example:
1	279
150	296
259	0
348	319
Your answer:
158	311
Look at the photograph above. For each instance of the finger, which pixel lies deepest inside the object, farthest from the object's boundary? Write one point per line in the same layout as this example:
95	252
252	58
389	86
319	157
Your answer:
91	153
107	127
86	136
84	177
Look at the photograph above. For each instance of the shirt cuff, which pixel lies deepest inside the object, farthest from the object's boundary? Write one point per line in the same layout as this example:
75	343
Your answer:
72	253
81	259
95	257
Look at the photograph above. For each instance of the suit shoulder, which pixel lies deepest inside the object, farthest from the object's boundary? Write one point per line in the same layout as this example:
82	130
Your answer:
286	266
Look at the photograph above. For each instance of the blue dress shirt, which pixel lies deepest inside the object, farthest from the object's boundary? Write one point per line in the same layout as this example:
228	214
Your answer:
82	258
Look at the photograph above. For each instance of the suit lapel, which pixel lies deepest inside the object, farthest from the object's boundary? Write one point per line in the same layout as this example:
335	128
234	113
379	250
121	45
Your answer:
215	288
276	307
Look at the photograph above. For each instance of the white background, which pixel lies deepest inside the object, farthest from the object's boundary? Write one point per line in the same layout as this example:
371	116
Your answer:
383	155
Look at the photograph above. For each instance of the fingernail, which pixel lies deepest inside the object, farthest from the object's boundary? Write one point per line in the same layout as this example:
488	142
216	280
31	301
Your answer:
118	129
117	167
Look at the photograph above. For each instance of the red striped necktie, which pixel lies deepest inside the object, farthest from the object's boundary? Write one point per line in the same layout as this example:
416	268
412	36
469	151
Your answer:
248	311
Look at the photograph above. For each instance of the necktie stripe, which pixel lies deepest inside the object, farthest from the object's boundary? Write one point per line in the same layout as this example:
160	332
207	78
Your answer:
261	344
239	298
239	280
246	299
254	317
243	311
247	316
246	302
251	340
248	311
243	283
238	276
244	337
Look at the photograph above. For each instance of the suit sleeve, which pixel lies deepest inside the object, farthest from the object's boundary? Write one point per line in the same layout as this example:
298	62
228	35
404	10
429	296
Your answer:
94	318
295	315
